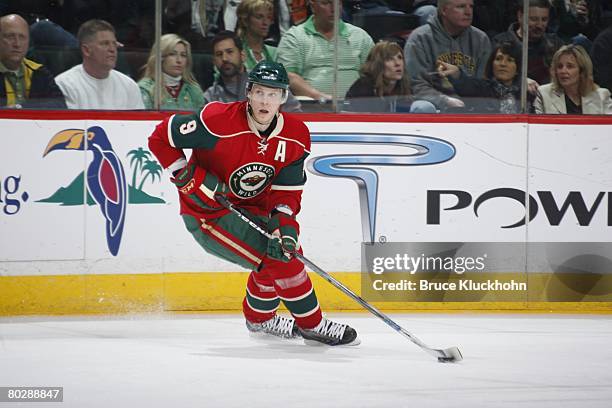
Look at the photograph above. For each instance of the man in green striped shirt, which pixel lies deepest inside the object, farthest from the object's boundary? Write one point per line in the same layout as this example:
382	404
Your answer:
307	52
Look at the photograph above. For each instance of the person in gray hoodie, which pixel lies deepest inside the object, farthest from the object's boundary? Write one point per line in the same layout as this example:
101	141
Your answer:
448	37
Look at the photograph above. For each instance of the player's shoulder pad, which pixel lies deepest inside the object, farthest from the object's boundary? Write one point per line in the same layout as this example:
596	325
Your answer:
295	130
224	119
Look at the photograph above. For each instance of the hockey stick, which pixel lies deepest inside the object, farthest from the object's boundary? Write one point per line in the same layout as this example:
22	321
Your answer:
449	355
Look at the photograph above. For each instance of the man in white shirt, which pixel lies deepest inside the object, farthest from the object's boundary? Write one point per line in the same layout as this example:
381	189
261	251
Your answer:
95	84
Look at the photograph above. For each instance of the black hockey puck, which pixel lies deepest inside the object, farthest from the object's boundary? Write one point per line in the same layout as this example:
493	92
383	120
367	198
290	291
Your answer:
446	359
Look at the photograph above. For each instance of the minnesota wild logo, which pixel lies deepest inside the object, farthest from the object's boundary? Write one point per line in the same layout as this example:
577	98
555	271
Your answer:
251	179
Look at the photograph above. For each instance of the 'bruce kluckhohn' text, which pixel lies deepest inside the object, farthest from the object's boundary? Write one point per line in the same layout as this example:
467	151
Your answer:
463	284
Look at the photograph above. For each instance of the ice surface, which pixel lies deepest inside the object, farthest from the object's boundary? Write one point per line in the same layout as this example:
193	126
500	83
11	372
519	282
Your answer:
176	361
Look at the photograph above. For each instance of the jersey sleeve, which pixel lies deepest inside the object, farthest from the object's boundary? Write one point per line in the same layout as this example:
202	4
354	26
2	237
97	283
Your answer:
288	185
176	133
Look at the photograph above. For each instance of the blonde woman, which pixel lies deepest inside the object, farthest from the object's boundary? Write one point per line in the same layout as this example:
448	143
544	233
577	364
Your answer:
180	89
384	85
254	20
572	90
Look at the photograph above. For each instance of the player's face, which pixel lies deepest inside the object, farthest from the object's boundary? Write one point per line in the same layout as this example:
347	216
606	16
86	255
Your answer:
568	71
538	21
260	22
457	14
227	58
14	42
394	67
265	103
504	68
175	61
101	50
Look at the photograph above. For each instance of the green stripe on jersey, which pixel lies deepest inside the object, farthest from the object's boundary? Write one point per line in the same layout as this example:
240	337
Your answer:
189	132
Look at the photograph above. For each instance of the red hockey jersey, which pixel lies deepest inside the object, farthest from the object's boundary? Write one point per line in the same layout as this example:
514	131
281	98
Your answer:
260	172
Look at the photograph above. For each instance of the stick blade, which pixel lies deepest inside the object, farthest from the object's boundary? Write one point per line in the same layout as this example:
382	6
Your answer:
450	355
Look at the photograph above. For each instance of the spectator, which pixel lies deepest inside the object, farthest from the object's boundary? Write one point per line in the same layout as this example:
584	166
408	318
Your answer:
95	84
307	53
494	16
500	90
254	20
194	20
230	17
576	21
541	45
286	14
351	8
572	90
384	85
180	89
450	37
424	9
23	83
230	86
602	58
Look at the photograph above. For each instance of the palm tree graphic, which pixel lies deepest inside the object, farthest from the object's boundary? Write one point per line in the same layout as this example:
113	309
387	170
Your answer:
138	158
150	168
143	169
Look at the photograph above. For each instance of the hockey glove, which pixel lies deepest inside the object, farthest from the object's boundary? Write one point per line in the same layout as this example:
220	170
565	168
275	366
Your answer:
199	186
285	230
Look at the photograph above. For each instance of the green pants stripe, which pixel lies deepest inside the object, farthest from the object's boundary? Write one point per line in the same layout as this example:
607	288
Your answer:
234	227
303	305
263	305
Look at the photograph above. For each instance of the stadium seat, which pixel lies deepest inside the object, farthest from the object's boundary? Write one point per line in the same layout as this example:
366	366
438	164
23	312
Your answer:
393	24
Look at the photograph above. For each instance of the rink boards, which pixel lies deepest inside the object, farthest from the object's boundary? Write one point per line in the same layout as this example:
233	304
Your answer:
458	179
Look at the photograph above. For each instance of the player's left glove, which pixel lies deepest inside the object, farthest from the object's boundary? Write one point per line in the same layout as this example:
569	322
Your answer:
199	186
285	230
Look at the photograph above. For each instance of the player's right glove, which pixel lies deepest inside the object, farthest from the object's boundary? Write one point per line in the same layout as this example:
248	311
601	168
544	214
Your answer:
199	186
285	230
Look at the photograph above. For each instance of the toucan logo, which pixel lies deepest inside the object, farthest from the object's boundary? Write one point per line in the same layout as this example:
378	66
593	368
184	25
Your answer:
419	151
104	183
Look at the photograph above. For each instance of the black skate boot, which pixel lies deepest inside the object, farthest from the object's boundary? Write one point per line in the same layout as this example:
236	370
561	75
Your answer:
279	326
330	333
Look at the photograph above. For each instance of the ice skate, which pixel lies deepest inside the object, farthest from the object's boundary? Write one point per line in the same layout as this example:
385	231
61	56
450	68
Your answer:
331	334
279	326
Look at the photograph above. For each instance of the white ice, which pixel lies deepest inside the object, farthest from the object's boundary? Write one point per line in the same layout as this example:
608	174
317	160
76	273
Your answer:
178	361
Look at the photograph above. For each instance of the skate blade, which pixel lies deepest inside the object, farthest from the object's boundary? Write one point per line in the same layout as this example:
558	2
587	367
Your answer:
264	337
314	343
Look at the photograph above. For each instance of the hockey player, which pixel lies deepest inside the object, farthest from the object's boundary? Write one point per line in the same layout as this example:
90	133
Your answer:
254	155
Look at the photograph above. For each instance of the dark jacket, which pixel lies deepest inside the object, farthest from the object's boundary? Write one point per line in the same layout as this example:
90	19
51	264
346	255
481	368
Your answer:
540	52
602	59
485	95
567	24
361	97
44	92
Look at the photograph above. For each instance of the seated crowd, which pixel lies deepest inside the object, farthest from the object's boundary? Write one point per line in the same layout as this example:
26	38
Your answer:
416	56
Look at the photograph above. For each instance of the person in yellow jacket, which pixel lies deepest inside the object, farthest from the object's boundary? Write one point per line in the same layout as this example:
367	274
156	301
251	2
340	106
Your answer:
24	83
